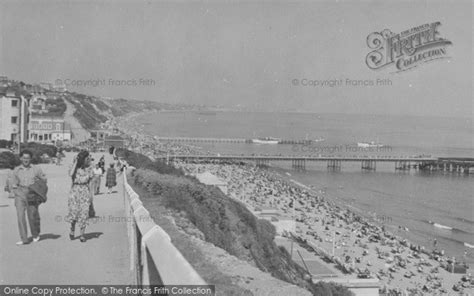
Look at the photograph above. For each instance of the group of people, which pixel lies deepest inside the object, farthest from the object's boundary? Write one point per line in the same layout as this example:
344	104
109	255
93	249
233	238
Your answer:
27	184
99	171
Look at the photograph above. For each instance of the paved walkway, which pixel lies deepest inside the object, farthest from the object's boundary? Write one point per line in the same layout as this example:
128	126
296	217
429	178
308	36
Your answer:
55	259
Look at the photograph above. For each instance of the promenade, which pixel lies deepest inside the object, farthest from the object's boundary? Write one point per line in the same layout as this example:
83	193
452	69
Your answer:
55	259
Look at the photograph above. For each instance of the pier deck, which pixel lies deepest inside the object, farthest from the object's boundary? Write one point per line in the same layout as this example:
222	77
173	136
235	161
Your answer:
455	164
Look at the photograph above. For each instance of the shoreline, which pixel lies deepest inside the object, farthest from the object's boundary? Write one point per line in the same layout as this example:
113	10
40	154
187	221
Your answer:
148	144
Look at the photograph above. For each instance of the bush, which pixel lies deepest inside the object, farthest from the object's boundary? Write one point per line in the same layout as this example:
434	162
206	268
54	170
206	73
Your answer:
226	223
57	107
140	161
5	143
9	160
39	150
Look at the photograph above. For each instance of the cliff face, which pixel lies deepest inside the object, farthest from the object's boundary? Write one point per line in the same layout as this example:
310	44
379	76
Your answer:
90	112
85	113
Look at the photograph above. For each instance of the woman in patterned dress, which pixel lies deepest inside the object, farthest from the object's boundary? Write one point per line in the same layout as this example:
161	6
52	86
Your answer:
81	193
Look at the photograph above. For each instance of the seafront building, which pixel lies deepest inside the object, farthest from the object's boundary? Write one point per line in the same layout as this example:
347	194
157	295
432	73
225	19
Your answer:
13	116
24	114
48	129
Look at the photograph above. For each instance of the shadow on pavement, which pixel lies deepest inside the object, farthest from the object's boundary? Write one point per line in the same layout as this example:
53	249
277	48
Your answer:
91	235
49	236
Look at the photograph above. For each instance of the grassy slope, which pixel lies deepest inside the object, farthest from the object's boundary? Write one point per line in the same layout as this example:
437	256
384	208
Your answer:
224	222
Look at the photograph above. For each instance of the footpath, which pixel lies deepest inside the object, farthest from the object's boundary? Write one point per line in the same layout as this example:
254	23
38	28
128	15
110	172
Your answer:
56	260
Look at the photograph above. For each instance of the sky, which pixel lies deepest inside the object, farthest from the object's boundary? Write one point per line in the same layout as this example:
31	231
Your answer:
260	55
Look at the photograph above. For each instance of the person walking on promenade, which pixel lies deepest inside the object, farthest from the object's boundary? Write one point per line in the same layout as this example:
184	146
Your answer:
111	178
59	157
96	179
24	176
102	164
80	196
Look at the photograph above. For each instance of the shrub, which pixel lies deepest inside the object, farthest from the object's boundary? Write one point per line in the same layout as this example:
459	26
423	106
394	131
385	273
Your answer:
9	160
140	161
224	222
5	143
57	107
39	150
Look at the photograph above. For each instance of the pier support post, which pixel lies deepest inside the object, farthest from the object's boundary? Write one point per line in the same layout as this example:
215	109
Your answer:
466	170
369	165
262	163
259	162
334	165
403	165
298	164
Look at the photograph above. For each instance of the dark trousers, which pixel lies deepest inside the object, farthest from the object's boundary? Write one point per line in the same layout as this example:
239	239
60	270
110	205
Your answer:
32	212
96	183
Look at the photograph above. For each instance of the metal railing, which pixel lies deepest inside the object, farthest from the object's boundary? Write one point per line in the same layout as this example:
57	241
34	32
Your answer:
154	260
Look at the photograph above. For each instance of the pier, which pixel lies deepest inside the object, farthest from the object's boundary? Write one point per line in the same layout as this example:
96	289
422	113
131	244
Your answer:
228	140
461	165
203	140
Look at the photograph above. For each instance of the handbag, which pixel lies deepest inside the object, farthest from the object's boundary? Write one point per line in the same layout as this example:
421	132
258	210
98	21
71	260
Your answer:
38	191
33	198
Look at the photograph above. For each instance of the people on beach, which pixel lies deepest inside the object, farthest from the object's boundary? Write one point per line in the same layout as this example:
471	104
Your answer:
361	247
111	178
81	194
97	178
23	177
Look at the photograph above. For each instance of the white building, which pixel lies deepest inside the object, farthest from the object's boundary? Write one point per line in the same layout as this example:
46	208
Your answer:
13	116
48	129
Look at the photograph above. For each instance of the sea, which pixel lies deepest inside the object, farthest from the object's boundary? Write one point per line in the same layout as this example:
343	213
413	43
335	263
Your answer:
421	206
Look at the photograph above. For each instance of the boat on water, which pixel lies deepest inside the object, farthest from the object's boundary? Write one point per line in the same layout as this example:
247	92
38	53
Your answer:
320	139
371	144
266	140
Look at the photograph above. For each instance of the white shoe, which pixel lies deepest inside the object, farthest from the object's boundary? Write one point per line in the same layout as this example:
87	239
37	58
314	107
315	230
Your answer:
36	239
20	243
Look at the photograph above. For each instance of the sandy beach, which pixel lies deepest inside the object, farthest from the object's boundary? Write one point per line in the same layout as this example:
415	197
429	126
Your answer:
359	246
